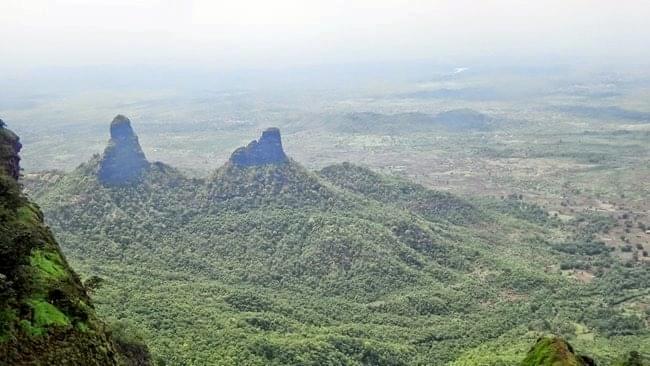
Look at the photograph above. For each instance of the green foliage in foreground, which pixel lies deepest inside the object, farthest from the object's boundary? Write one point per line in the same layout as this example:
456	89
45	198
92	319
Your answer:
553	352
46	317
276	265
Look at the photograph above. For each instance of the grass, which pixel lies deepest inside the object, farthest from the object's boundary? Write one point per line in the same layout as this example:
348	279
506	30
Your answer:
541	354
28	328
27	215
49	264
551	352
46	314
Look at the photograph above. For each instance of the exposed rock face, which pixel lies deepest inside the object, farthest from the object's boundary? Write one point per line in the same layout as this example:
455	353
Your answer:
123	160
9	148
266	150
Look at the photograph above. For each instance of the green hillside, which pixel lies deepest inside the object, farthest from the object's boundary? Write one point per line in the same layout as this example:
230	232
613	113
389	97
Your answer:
275	265
554	352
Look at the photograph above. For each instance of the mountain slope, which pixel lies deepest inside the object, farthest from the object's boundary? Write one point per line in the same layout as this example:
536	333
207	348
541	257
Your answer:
389	190
266	263
554	352
46	316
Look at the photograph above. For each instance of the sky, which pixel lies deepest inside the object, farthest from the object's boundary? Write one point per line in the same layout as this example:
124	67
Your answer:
267	34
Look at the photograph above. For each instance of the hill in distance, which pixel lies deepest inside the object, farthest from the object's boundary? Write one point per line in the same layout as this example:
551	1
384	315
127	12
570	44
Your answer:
46	315
267	263
457	120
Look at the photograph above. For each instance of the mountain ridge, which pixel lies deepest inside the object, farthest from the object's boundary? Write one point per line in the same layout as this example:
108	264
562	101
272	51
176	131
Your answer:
281	265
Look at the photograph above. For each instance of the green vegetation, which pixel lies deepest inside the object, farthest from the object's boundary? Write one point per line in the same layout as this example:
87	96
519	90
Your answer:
553	352
536	225
45	318
48	263
278	265
46	314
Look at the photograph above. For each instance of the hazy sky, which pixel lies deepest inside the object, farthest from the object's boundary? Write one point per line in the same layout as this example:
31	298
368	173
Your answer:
263	33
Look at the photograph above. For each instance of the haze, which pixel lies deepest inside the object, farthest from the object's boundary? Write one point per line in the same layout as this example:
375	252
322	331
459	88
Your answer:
277	34
329	182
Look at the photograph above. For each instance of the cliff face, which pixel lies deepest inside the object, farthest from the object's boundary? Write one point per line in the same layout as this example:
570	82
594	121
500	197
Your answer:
266	150
9	148
123	160
46	316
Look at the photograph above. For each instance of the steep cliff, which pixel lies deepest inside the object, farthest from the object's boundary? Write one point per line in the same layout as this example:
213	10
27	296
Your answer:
266	150
123	160
9	148
46	316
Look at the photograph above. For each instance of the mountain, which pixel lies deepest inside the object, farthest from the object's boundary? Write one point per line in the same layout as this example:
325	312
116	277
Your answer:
555	352
268	150
606	113
464	119
123	160
390	190
267	263
46	315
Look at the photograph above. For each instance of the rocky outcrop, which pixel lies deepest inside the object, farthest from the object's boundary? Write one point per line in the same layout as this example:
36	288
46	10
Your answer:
9	148
266	150
123	160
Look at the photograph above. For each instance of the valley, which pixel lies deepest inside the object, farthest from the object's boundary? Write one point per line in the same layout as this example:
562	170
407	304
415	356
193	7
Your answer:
272	263
324	183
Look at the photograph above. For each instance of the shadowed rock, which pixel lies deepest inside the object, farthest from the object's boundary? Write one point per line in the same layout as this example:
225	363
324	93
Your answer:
266	150
123	160
9	148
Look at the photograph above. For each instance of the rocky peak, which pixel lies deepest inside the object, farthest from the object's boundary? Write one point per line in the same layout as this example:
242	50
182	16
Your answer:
121	128
123	160
9	148
266	150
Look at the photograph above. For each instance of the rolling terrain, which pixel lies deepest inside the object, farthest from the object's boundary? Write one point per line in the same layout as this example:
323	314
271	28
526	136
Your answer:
266	262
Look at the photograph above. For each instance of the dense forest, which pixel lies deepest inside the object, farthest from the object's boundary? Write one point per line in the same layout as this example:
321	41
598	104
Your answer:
272	264
324	183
